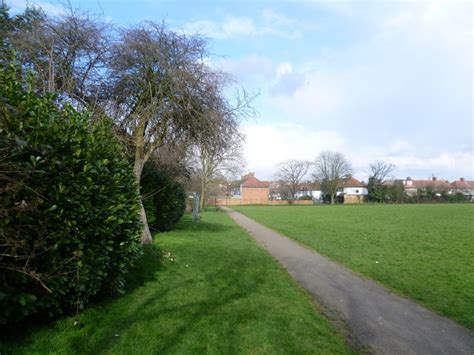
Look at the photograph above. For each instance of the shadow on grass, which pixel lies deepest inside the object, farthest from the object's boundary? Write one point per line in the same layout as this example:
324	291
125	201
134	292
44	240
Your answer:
145	268
143	271
181	319
209	227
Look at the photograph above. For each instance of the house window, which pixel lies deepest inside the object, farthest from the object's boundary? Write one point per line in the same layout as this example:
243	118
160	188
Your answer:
357	191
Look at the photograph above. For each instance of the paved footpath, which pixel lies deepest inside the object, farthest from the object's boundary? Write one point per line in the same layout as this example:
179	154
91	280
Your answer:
378	319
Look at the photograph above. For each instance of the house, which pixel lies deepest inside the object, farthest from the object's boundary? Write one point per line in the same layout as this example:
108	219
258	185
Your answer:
312	190
412	186
462	186
275	190
353	190
251	190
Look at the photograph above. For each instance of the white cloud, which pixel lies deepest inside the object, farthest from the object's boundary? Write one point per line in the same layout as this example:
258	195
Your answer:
270	16
446	165
268	22
251	67
404	94
283	69
267	145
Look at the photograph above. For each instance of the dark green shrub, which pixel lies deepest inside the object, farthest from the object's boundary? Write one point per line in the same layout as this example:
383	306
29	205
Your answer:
69	213
163	198
306	198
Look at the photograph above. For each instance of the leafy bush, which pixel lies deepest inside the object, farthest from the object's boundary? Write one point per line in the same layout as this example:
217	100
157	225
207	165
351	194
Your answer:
306	198
69	213
163	198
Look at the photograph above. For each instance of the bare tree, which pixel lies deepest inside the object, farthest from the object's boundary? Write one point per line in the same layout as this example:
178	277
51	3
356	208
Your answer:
381	170
67	53
218	160
377	191
330	169
160	90
291	174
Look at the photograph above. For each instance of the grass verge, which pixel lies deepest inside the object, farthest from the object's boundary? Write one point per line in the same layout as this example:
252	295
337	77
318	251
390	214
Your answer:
425	252
207	288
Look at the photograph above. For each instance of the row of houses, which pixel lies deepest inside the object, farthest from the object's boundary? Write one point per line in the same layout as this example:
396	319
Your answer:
251	190
463	186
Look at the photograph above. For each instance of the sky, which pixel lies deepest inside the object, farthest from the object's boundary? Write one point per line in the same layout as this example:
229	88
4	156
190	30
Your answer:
373	80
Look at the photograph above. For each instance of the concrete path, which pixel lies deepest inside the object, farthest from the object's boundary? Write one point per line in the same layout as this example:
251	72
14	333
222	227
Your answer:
378	319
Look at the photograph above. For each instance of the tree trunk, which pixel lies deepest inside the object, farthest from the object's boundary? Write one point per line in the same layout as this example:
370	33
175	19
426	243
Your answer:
203	195
146	237
137	170
332	199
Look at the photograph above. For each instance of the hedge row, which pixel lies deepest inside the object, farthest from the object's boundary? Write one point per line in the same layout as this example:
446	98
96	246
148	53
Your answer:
69	212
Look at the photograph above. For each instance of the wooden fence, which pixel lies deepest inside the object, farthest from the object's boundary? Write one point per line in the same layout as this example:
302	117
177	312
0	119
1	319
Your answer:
254	201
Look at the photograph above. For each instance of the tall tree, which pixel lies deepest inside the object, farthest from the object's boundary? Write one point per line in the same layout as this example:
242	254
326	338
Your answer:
330	169
154	82
291	174
160	90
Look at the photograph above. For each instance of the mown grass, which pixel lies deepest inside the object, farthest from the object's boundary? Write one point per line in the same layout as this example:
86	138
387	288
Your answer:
202	288
425	252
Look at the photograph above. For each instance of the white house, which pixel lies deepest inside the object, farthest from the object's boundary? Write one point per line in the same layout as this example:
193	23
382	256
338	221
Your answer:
311	190
353	190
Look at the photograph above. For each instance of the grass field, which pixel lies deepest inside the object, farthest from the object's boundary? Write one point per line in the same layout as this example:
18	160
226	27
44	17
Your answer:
209	288
425	252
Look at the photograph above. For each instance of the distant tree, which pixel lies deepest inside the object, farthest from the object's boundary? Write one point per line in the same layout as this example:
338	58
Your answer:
396	192
330	169
291	174
381	170
377	191
216	160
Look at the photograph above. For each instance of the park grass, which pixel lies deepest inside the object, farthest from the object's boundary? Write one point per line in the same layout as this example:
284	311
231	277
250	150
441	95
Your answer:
425	252
202	288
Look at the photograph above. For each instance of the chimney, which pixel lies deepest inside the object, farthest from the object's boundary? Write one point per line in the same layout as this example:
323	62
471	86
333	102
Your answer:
434	178
462	179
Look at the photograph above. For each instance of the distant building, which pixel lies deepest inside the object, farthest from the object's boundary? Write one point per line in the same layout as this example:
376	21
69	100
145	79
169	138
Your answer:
312	190
412	186
353	190
462	186
251	190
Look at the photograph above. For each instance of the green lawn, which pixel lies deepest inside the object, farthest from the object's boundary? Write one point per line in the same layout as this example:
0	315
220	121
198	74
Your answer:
425	252
204	287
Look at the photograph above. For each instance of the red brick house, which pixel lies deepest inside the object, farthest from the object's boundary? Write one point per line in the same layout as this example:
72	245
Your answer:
251	190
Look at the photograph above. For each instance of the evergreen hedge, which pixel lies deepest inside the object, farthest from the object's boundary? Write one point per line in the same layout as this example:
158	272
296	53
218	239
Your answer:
69	212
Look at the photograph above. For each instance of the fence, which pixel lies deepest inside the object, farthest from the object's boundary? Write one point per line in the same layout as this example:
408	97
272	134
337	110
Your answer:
254	201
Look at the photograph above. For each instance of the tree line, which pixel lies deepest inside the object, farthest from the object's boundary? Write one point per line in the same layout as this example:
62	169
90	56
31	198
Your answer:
330	170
